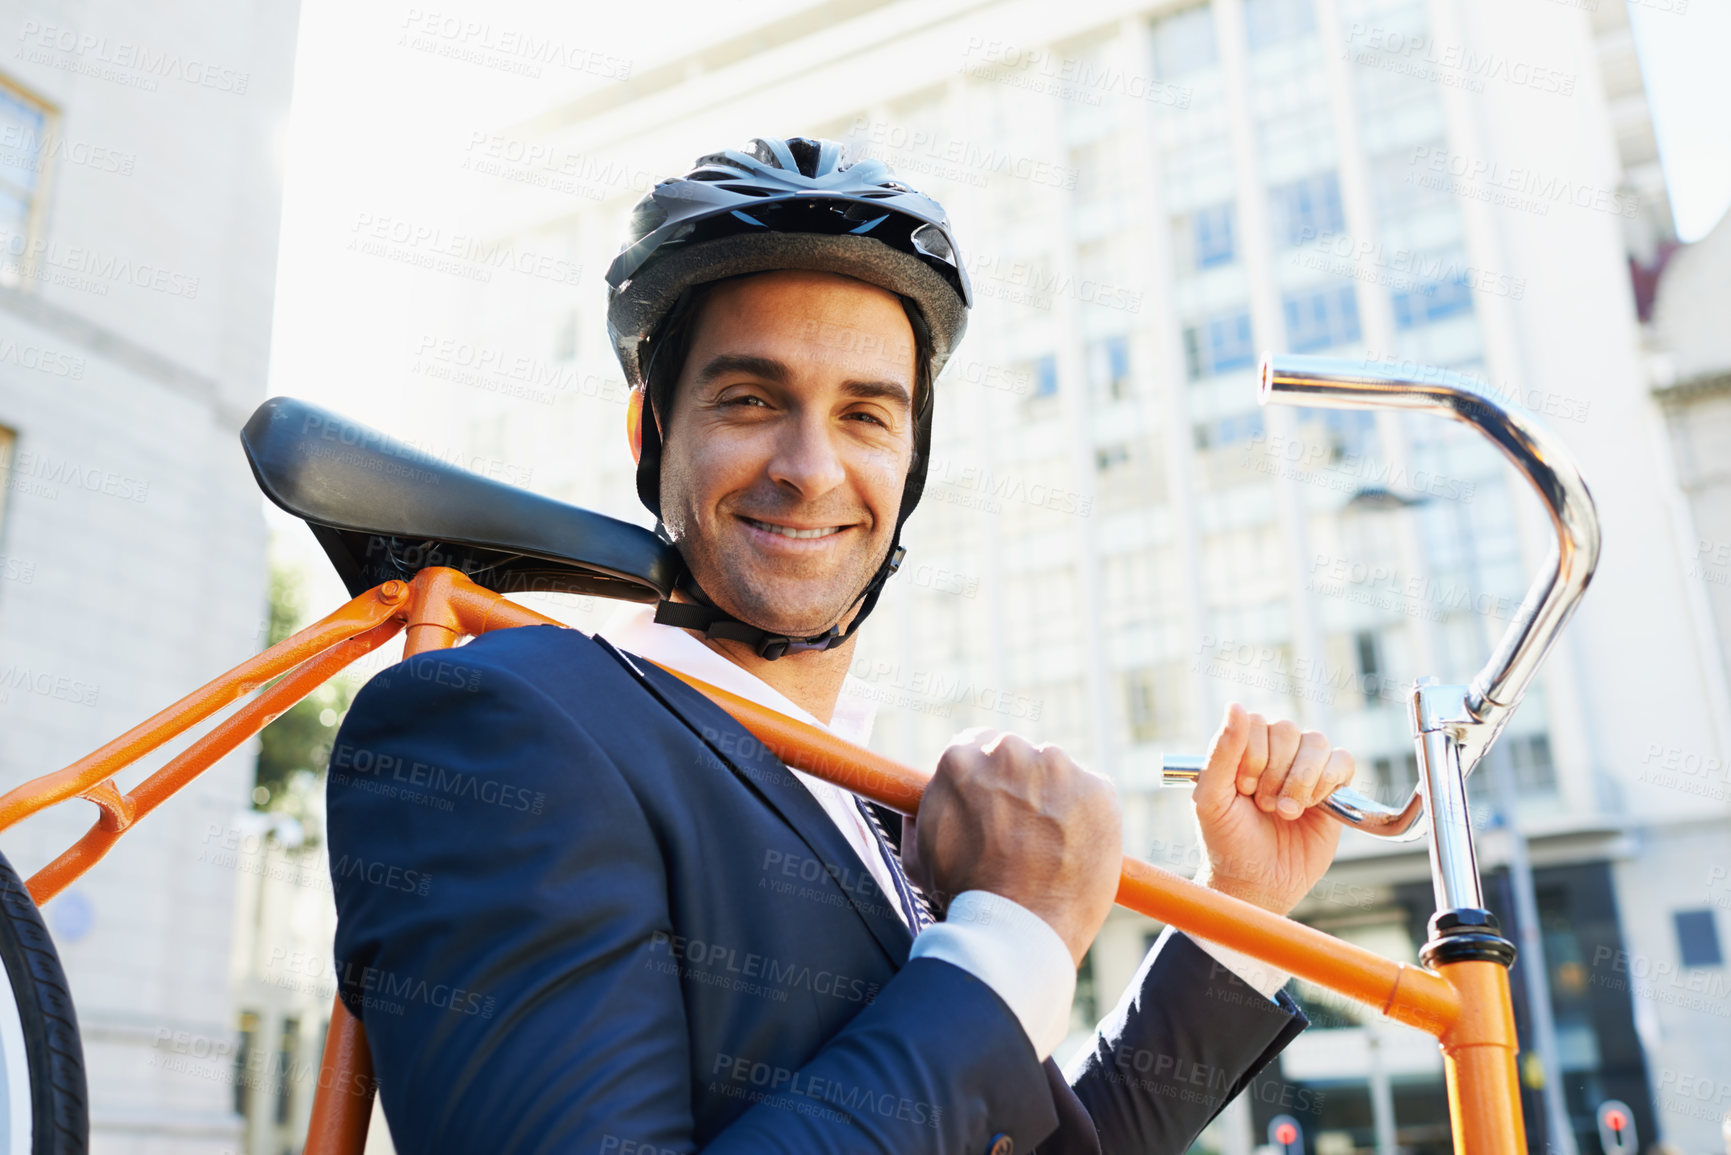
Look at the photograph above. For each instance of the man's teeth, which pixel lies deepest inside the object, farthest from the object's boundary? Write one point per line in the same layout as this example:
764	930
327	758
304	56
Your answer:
800	533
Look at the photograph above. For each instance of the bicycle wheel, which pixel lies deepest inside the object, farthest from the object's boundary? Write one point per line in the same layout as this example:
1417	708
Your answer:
42	1094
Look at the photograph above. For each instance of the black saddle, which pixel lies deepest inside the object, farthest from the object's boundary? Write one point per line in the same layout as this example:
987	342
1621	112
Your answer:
385	510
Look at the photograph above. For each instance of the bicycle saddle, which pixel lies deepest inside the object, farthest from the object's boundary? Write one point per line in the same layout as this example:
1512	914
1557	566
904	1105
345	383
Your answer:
382	509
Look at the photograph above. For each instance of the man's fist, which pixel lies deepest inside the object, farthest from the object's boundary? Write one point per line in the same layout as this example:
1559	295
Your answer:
1264	838
1024	822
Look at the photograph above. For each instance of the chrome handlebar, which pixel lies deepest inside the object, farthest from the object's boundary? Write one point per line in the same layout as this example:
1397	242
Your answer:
1494	693
1345	804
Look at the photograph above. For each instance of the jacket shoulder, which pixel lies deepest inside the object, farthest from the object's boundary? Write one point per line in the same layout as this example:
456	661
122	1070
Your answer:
554	660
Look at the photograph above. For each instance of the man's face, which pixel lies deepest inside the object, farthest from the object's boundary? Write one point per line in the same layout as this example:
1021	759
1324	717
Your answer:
793	415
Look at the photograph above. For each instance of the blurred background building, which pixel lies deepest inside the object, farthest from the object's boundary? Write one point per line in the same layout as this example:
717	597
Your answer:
1116	540
140	184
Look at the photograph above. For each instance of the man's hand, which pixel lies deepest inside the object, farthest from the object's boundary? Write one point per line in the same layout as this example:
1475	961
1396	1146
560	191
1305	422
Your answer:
1024	822
1264	837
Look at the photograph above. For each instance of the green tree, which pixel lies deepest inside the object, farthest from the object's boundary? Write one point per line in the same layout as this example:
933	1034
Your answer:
295	749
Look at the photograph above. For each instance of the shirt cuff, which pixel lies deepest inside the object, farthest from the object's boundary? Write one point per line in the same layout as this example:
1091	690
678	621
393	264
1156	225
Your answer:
1261	976
1016	953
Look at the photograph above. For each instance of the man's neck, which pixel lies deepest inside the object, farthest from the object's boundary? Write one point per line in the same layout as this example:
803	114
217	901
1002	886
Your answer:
810	680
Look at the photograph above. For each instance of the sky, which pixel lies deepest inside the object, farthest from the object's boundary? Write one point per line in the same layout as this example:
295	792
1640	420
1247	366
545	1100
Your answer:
388	97
1683	57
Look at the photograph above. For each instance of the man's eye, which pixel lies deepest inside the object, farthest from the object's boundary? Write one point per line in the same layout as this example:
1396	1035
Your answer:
872	417
744	399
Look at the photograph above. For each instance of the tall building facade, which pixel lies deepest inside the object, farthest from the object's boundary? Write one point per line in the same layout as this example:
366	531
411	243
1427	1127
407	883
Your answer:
139	201
1116	540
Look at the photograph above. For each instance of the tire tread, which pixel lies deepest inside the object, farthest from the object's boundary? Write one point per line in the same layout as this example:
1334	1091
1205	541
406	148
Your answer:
45	1009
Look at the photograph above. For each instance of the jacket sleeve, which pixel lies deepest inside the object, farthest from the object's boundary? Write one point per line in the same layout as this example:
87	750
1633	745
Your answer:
500	897
1187	1037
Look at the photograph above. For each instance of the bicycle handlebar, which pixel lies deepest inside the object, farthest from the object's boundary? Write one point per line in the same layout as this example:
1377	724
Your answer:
1332	383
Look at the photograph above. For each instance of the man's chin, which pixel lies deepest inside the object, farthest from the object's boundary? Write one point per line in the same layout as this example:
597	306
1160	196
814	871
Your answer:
779	615
789	626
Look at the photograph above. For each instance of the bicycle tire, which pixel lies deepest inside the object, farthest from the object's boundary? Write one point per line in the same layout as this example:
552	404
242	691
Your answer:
45	1104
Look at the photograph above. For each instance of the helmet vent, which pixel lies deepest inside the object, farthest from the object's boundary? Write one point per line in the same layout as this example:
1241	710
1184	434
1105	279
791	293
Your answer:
805	154
931	241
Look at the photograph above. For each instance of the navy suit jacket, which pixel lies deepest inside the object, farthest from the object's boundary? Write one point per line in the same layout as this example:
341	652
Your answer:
581	910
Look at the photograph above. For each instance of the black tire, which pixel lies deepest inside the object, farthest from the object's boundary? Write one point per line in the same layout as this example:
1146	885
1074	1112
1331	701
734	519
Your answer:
37	992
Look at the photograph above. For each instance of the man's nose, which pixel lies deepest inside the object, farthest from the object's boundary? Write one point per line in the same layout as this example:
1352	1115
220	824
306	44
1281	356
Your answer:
807	458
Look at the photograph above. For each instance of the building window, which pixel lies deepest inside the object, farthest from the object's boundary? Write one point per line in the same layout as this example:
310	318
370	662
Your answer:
1431	301
1349	431
1045	374
1219	345
1530	756
1229	430
24	128
1110	457
287	1053
1153	702
1271	22
1108	361
1698	938
1306	209
1211	233
7	439
1184	43
1369	657
1318	318
565	338
1394	779
243	1061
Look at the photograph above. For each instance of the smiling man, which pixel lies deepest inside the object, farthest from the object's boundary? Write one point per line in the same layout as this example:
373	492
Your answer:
686	945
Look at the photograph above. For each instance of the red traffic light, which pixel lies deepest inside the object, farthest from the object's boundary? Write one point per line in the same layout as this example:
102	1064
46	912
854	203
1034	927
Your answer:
1616	1120
1286	1134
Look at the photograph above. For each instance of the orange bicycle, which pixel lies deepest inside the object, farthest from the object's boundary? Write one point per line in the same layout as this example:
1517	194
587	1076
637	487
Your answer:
432	550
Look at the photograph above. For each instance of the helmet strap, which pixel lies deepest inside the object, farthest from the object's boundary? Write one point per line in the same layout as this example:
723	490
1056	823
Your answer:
705	617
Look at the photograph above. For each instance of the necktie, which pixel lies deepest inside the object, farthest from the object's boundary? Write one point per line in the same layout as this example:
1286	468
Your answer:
914	906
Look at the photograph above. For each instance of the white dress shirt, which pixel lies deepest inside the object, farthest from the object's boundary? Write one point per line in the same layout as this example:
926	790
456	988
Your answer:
998	941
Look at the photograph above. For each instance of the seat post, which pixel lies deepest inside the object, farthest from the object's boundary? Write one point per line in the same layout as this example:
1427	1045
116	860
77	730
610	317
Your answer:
343	1103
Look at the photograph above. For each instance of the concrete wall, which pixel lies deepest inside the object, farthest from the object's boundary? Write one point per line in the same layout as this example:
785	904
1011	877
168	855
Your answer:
131	527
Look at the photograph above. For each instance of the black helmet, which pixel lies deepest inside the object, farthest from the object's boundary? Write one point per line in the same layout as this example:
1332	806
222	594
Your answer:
768	205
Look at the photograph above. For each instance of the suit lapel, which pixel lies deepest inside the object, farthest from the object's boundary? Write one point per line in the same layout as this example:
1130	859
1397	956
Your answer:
765	775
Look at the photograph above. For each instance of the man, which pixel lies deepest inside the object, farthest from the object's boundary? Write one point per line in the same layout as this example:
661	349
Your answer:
640	933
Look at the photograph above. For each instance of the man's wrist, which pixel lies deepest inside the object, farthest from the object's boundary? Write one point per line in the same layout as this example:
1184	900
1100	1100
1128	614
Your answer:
1016	953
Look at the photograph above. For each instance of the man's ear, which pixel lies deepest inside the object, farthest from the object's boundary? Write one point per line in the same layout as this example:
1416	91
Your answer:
634	423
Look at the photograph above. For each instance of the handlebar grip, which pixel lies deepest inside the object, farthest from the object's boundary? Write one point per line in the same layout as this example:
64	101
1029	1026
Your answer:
1345	805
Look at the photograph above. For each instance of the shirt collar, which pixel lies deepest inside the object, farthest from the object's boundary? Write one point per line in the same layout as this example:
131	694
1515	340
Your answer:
633	628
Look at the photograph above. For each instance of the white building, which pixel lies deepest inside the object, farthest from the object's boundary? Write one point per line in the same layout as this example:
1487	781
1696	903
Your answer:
139	200
1116	541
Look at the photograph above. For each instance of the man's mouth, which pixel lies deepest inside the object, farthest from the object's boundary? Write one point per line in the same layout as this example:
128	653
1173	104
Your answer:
791	531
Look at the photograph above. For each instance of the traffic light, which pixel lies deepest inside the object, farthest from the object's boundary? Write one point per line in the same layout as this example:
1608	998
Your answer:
1285	1135
1616	1128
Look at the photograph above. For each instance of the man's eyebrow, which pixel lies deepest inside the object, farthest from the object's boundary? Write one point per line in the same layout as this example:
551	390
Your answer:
893	391
725	363
771	369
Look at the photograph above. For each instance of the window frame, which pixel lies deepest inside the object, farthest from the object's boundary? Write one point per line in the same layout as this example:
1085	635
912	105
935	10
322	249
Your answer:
41	186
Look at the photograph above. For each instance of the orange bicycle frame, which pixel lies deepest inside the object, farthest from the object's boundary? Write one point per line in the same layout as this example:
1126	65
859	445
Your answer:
1464	1005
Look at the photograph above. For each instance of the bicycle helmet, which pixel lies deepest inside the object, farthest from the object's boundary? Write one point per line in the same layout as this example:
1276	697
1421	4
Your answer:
770	205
